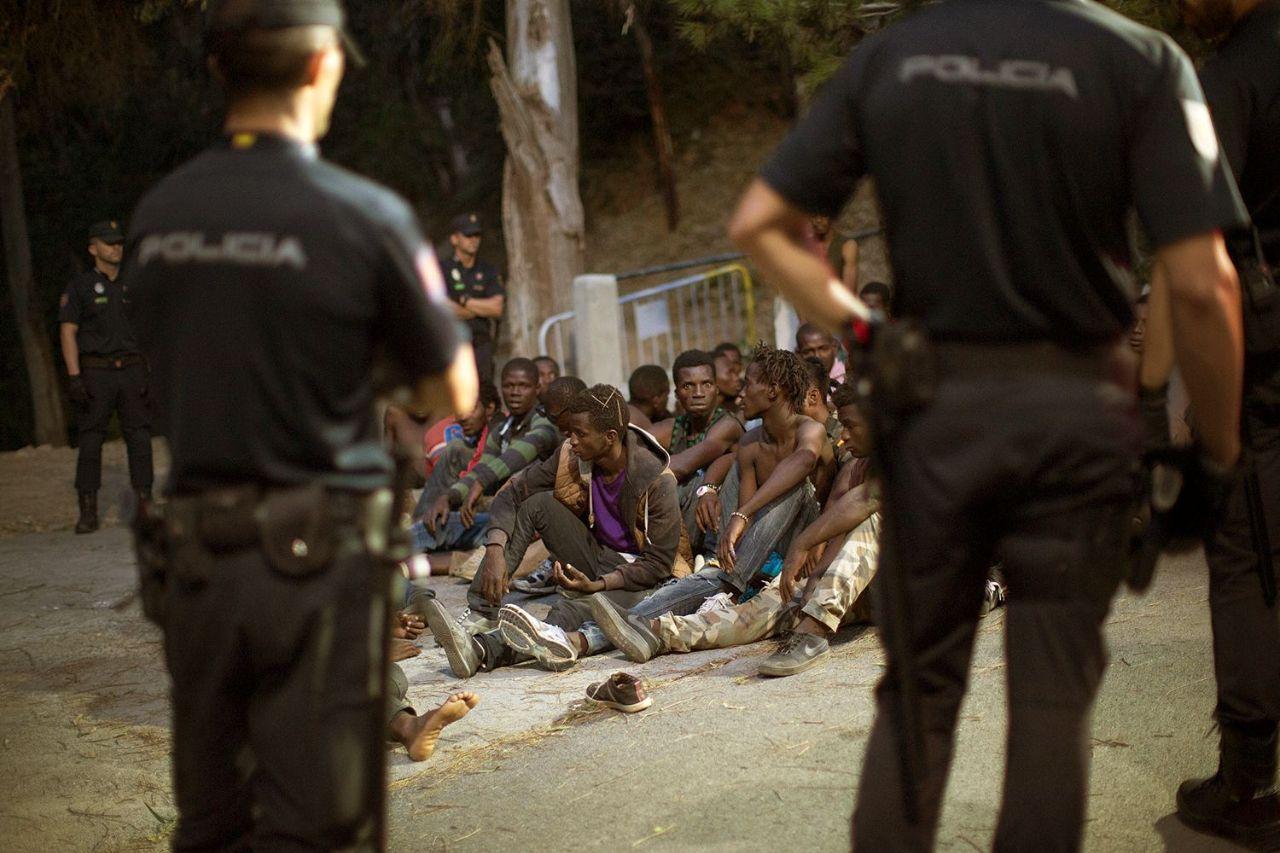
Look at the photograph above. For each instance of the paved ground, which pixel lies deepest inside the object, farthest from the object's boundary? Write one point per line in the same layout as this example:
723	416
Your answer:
723	761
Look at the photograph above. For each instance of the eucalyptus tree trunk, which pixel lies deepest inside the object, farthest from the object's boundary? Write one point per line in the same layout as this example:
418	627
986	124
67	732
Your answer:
37	352
536	91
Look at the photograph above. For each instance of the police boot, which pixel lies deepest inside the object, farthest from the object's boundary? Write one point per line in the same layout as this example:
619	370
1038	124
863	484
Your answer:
1240	800
88	521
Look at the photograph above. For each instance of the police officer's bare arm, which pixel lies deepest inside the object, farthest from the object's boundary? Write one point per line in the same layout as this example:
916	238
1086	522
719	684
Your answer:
772	232
488	307
453	392
1199	312
70	352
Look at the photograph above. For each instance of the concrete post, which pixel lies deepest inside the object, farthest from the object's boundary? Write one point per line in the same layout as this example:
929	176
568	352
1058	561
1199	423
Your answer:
785	323
597	330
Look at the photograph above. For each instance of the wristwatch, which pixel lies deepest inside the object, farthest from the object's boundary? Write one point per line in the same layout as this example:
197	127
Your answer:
708	489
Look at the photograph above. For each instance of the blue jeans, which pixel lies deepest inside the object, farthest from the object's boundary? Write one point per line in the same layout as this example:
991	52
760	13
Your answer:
679	596
453	536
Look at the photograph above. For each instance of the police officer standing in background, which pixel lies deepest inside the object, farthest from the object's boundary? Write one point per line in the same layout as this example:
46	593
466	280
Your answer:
107	374
1242	85
475	288
267	283
1043	121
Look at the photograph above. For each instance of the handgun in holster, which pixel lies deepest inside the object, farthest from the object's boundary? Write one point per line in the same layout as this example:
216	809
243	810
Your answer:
1181	495
896	377
151	547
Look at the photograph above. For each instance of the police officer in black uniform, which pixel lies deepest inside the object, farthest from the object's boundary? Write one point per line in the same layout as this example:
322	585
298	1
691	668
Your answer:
1008	140
1242	85
107	374
268	283
475	288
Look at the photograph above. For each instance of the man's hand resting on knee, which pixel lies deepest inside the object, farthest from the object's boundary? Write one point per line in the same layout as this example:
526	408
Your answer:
493	575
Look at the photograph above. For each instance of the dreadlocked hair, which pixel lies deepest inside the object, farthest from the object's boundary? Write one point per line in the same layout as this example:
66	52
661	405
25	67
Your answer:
845	394
784	369
605	407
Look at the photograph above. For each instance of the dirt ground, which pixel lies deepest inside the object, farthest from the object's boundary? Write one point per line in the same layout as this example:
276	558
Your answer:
37	491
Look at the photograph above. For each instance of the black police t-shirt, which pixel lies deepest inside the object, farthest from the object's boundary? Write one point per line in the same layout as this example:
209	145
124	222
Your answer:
1008	140
480	281
1242	84
100	308
267	284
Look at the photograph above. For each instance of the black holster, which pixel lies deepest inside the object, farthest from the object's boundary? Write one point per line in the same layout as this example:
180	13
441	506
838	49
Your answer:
151	548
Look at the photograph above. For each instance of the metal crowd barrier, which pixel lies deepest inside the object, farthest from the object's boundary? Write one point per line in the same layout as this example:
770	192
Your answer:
660	322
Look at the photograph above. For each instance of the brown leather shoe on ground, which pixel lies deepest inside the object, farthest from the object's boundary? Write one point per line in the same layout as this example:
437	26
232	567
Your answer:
622	692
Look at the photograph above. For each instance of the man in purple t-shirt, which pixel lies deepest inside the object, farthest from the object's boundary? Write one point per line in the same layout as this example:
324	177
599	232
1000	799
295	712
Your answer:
606	507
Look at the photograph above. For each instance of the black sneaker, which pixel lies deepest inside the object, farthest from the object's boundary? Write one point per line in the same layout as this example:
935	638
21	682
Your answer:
537	583
796	653
459	646
993	596
1209	805
629	633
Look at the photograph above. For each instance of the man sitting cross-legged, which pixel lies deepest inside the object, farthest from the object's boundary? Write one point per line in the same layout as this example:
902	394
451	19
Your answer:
699	436
791	463
525	436
840	548
605	501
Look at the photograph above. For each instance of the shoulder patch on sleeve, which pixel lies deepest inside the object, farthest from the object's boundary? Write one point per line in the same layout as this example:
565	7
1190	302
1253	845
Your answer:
1200	129
429	273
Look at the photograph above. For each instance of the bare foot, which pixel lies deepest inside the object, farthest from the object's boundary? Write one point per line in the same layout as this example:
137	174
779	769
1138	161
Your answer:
403	650
421	733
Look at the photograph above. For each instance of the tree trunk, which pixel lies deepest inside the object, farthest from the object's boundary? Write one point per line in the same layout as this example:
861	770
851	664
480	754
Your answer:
658	114
42	373
541	207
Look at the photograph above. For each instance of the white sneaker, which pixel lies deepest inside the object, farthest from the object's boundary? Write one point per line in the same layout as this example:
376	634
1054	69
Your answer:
719	601
526	633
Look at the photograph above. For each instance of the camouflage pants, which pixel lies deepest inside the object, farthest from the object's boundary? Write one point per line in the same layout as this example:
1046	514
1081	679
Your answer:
836	598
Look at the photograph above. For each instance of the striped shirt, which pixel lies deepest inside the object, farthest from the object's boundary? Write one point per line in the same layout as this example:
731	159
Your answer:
509	447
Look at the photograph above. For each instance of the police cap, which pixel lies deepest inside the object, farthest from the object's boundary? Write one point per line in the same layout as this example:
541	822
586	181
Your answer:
466	224
108	231
228	17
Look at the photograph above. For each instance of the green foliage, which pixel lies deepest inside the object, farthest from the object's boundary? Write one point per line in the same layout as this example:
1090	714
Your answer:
811	37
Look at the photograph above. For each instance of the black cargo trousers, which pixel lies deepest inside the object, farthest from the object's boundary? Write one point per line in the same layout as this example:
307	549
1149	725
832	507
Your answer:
1038	469
1246	631
114	385
278	718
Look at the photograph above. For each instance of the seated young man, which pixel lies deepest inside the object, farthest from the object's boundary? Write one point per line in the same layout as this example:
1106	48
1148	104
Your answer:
838	552
792	465
701	434
471	429
523	437
721	476
649	390
815	342
548	372
727	360
605	502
